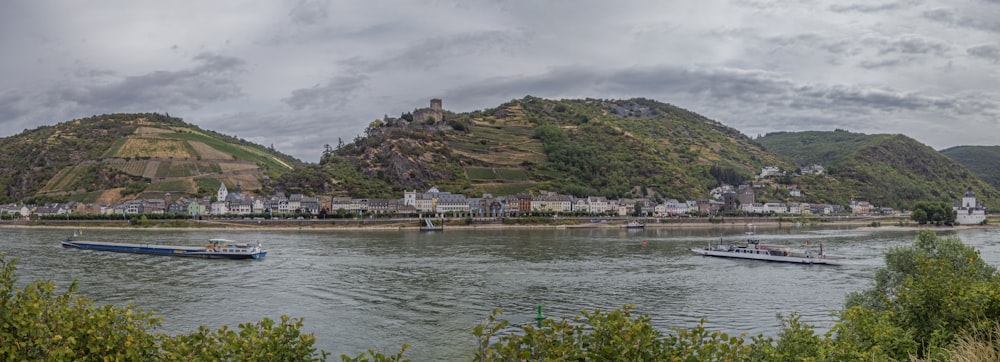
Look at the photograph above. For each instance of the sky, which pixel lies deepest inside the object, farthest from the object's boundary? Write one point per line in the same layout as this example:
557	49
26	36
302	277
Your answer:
301	74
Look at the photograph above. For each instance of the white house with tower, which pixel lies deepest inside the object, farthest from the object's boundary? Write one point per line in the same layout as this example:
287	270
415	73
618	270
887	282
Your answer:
969	211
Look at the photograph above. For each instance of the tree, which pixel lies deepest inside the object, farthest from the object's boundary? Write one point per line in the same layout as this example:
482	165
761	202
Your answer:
937	213
924	295
39	325
617	335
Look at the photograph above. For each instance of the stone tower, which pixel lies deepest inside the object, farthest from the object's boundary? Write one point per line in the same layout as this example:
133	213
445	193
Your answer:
423	115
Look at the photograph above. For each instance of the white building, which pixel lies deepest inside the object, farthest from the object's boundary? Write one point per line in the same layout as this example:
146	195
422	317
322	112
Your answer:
768	171
436	201
969	211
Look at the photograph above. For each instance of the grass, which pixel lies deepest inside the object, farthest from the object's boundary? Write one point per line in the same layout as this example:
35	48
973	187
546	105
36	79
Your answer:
503	188
511	174
155	148
480	173
235	150
210	184
113	150
132	167
174	169
204	167
86	197
491	173
172	186
61	180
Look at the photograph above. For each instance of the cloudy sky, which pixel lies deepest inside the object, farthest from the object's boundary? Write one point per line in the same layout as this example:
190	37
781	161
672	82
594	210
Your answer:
299	74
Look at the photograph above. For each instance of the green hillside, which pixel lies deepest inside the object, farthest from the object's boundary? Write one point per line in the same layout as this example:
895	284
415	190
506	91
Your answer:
983	161
818	147
887	170
112	156
615	148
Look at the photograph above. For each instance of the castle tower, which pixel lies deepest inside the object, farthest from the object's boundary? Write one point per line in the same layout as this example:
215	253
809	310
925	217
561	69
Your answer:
436	105
969	200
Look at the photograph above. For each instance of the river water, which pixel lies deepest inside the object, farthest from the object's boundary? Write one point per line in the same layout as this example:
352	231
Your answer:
379	289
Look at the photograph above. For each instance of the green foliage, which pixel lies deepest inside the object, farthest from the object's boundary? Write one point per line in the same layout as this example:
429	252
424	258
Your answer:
619	335
134	188
817	147
576	147
937	213
887	170
70	156
923	296
934	300
261	341
240	149
983	161
335	175
373	356
37	324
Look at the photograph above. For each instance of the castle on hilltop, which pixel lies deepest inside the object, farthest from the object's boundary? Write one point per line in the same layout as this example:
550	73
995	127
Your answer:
434	115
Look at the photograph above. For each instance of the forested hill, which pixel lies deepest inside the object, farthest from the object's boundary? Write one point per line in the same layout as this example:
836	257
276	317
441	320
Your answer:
887	170
614	148
114	156
984	161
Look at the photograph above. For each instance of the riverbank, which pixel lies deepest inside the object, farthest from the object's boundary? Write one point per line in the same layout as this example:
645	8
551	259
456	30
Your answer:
740	223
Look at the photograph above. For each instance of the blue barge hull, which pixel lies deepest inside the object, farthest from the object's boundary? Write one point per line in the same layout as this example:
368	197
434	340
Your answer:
216	250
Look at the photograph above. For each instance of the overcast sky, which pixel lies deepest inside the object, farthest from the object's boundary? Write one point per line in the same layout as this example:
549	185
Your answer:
301	74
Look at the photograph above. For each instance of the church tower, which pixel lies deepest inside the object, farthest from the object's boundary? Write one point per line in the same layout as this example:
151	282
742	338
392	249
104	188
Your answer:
223	192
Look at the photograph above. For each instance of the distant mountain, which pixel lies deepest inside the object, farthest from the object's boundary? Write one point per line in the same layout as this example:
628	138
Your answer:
115	156
887	170
984	161
614	148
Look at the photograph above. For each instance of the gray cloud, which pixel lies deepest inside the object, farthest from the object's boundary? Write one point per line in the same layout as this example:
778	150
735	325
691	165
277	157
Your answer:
335	94
438	51
972	20
870	7
989	52
913	45
308	12
302	73
210	81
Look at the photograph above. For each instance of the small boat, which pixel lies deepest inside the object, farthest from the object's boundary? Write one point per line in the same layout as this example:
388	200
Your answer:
634	225
215	249
753	249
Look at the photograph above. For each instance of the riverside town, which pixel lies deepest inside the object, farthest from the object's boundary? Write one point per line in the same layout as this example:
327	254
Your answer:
725	200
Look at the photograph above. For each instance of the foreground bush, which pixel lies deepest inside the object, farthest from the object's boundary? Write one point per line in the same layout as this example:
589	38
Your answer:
37	324
935	300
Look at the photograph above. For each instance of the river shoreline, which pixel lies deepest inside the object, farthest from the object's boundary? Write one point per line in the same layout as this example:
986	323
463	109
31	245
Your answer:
316	225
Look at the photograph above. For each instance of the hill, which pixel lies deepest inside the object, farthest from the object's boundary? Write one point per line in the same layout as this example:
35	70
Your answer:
984	161
614	148
108	157
887	170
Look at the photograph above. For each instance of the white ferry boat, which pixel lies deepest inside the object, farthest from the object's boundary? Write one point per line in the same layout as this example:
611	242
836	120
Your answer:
754	250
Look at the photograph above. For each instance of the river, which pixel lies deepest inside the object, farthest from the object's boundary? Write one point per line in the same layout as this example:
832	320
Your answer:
379	289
